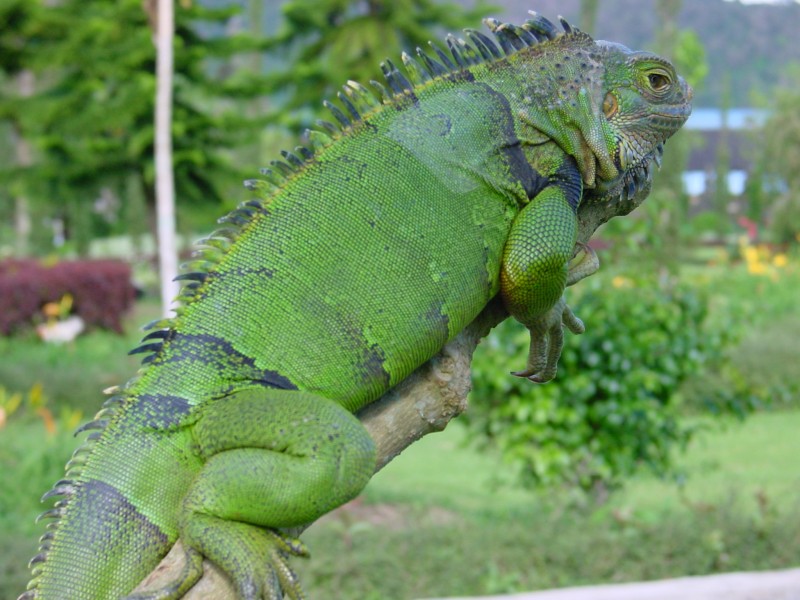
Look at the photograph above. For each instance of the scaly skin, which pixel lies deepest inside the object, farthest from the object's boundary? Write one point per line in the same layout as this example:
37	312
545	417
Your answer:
359	263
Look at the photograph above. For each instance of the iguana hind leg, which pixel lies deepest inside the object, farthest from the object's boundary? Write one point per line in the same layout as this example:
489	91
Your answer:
274	459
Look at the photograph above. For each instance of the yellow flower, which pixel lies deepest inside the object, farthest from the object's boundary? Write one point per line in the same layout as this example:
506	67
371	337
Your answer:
36	397
621	282
750	254
780	260
47	418
756	268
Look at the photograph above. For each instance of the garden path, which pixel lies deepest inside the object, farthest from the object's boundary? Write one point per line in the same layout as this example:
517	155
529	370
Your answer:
767	585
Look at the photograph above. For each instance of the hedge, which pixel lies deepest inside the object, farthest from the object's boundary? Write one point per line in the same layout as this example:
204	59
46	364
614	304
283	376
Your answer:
101	291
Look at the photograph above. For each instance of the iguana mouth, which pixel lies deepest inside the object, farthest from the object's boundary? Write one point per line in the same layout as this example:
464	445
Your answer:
629	183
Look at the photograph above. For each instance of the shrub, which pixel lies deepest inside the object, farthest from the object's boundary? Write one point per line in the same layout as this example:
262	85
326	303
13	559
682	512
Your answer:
101	291
614	406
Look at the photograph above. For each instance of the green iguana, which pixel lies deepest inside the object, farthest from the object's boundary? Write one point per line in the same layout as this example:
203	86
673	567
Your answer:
363	254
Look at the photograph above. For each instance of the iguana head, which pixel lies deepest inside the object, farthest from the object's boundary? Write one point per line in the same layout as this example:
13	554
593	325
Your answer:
644	103
608	107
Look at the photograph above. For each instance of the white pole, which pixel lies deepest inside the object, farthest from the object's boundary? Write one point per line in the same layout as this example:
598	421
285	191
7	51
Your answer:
165	183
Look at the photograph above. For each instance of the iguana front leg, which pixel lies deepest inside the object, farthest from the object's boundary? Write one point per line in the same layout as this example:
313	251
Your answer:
535	270
274	459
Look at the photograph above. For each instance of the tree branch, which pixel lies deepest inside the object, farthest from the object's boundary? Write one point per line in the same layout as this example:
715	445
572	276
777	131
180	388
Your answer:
424	403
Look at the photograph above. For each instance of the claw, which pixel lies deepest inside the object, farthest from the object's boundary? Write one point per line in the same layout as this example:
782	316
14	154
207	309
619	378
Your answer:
587	264
547	342
289	545
573	323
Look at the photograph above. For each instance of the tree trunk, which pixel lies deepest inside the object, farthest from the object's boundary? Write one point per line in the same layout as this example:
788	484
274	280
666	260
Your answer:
24	158
165	183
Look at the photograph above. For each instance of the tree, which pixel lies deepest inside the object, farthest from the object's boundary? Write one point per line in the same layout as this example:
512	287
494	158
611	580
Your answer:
722	165
19	82
668	210
324	43
781	155
92	116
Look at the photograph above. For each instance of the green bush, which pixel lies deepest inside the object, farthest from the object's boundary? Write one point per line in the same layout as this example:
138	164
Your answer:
614	406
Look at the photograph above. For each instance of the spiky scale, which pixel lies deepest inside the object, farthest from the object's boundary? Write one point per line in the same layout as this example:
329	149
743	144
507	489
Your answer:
95	423
516	35
192	276
114	402
398	82
64	487
565	25
39	558
258	185
383	93
305	153
541	25
274	177
417	74
526	36
155	324
337	114
349	106
448	64
453	44
285	169
317	139
483	44
53	513
434	68
292	159
506	41
155	347
189	289
46	537
237	218
328	126
658	155
361	98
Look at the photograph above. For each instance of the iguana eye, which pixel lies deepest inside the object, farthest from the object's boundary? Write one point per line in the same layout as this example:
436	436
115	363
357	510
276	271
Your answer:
610	105
659	82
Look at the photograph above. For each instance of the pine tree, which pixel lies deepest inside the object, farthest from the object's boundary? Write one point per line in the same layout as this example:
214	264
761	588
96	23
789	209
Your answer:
92	116
323	43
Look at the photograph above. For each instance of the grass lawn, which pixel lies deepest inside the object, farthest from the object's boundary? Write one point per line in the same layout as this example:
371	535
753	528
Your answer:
436	522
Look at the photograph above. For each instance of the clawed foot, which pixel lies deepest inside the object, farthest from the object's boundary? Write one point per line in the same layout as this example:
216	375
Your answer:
547	333
255	559
283	579
547	341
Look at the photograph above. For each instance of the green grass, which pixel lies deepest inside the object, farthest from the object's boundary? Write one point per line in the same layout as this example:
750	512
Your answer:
74	374
438	524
